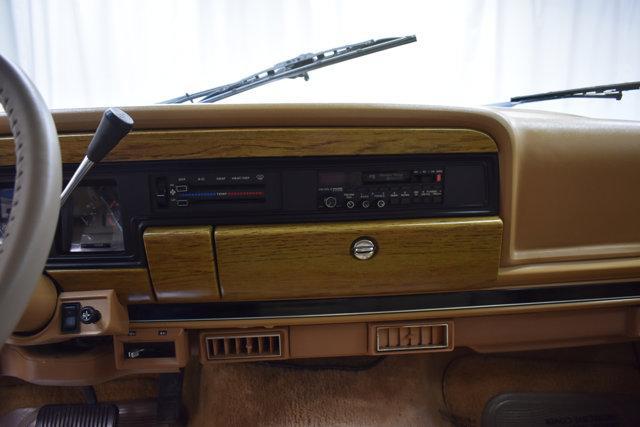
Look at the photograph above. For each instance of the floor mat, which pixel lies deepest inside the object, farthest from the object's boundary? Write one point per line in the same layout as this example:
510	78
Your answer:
471	381
395	391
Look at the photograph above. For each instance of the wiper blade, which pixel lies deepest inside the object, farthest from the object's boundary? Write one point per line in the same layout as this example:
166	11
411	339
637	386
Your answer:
294	68
613	91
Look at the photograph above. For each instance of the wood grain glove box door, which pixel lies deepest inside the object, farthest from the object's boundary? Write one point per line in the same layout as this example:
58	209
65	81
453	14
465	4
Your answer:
262	262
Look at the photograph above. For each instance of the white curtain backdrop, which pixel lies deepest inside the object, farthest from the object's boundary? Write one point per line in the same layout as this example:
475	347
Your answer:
85	53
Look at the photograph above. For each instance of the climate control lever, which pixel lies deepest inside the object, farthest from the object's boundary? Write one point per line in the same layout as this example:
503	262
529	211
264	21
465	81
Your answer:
114	125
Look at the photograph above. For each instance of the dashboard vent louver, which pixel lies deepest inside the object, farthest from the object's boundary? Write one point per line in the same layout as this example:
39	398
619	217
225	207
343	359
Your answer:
243	347
413	337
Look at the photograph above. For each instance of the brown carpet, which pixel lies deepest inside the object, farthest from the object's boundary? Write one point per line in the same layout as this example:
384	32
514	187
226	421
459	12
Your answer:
398	391
471	381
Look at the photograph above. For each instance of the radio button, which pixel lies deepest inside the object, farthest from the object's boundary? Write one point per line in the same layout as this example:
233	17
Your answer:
330	202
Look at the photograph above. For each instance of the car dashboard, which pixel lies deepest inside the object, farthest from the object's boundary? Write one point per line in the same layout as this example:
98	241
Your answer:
266	232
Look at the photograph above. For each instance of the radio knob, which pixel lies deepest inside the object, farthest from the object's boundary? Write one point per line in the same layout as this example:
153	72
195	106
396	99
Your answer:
366	204
330	202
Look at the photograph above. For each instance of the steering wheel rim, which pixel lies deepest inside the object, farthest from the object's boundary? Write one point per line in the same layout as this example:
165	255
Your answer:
36	196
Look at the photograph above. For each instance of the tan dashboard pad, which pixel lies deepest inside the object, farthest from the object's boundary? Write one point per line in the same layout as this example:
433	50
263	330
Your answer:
41	308
521	332
230	143
132	285
181	263
114	319
344	339
89	367
315	261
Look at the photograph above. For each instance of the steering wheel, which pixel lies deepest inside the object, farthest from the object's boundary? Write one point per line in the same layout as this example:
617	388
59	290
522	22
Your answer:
36	195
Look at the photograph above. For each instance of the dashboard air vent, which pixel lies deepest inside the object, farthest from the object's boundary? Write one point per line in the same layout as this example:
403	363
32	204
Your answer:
250	346
413	337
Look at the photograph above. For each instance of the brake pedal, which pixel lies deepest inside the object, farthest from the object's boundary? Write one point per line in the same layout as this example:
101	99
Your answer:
99	415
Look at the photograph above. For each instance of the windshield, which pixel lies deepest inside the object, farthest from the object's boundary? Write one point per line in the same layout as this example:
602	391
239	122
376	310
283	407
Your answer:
469	52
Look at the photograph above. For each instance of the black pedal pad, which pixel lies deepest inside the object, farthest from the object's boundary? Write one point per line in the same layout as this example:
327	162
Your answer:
562	409
100	415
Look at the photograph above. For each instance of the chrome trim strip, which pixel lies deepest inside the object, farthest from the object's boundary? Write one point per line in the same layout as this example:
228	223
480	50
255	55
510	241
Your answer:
419	310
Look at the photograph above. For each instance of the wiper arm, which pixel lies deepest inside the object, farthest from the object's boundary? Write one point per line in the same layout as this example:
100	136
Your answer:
613	91
294	68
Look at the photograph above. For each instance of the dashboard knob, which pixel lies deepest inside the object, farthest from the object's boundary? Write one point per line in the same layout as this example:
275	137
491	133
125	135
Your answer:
330	202
89	315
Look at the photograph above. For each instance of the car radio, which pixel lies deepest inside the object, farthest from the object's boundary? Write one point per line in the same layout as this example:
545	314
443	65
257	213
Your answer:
380	189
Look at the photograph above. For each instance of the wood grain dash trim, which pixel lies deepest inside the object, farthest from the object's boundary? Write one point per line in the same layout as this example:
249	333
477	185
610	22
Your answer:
267	142
314	260
181	263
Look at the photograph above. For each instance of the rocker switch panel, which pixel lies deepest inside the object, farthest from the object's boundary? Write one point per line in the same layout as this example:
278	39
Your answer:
70	317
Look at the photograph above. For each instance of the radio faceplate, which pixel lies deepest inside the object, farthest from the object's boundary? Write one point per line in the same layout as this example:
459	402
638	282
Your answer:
361	190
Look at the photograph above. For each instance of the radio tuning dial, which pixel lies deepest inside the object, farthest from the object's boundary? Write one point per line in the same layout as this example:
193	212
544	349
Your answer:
330	202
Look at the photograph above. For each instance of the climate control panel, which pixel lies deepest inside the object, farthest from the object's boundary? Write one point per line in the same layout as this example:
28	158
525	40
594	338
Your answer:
202	191
184	190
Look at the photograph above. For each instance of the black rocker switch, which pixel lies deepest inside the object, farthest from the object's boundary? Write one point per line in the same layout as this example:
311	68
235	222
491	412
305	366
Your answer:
89	315
70	317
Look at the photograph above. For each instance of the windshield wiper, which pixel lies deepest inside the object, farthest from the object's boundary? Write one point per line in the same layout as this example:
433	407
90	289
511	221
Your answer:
613	91
294	68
